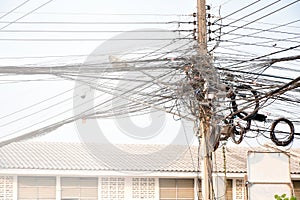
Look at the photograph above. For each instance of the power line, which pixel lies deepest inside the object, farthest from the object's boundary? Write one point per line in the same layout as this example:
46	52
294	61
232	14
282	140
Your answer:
253	73
262	37
256	11
243	8
277	10
239	43
11	11
85	39
256	22
269	29
93	31
108	14
15	21
35	104
84	55
266	55
97	22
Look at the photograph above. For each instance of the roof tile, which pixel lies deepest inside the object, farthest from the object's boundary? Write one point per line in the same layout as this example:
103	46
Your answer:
129	157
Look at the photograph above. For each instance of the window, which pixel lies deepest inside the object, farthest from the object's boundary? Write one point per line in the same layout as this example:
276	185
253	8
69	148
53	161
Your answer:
79	188
176	189
297	188
36	188
229	189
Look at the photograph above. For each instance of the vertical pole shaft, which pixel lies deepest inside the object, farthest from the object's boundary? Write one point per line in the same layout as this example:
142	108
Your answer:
201	19
206	163
205	111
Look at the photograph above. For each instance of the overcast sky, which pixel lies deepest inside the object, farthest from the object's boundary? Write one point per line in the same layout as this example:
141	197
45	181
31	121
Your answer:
39	47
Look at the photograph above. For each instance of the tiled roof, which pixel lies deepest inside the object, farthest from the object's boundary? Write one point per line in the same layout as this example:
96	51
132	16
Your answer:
162	158
236	158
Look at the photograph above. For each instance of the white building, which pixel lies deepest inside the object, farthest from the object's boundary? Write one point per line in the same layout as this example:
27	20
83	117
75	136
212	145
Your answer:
53	171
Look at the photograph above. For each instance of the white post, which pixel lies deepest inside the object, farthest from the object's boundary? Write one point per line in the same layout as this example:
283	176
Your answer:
15	187
58	188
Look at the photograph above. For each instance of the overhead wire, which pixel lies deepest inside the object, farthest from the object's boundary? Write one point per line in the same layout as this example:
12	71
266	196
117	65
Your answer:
44	120
264	16
163	79
97	22
237	11
108	14
12	10
272	28
25	15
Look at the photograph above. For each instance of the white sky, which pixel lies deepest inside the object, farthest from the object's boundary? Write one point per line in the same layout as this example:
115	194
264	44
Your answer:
19	95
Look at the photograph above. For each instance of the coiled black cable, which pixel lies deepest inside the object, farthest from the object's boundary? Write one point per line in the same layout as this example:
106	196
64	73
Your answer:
242	114
238	133
290	137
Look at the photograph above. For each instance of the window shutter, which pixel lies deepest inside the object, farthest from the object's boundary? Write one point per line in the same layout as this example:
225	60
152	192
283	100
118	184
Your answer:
229	194
176	189
296	185
79	188
36	188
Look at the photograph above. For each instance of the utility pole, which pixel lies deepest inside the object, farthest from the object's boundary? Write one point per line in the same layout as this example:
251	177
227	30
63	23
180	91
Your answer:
201	18
205	111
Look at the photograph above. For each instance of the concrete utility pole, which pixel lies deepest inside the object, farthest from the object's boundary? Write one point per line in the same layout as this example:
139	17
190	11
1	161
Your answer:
201	18
205	112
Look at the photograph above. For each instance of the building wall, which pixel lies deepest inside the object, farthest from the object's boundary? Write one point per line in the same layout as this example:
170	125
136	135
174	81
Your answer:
6	187
102	188
239	189
121	188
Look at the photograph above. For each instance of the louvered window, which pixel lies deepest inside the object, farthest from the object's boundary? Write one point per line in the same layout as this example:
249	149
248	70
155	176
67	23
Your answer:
296	185
79	188
36	188
229	195
176	189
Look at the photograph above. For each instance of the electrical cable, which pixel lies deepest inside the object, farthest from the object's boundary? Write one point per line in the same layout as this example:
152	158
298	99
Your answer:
11	11
25	15
264	16
289	138
237	11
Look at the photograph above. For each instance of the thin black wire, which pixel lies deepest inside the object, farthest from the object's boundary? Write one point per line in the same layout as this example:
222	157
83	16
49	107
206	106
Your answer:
239	43
255	12
82	55
270	29
93	31
261	23
85	39
266	55
263	37
11	11
277	10
108	14
98	22
28	13
55	115
247	6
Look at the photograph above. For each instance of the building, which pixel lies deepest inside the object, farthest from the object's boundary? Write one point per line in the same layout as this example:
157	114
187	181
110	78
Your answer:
52	171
